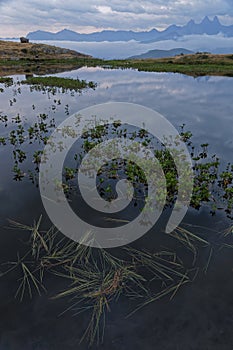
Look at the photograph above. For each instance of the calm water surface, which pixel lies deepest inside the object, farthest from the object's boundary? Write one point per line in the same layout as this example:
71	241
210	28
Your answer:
201	315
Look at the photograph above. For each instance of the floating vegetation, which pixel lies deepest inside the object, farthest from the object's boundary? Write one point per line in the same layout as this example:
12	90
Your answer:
57	82
95	279
7	81
213	185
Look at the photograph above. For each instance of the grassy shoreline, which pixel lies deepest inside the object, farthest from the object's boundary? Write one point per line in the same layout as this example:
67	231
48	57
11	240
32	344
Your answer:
38	59
41	59
199	64
222	66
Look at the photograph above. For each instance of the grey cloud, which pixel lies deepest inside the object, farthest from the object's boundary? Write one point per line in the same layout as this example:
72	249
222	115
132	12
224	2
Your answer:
117	14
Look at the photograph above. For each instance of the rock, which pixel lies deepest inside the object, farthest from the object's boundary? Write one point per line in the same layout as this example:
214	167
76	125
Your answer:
24	40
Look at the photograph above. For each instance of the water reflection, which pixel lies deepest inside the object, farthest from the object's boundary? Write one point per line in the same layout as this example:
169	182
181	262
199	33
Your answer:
203	104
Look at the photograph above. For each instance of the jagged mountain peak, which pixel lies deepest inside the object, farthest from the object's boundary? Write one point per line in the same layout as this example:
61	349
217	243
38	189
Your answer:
191	22
216	20
206	20
206	26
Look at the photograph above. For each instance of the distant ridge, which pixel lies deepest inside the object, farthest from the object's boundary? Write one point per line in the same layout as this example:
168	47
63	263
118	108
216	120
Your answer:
106	35
162	53
173	32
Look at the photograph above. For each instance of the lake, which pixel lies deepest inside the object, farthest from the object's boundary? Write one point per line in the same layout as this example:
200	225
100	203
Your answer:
199	316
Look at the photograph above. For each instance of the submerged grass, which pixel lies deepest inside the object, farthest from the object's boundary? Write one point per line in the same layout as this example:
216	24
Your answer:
96	278
99	280
28	281
189	240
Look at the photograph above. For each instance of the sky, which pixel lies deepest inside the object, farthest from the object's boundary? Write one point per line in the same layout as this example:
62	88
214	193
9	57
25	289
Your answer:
18	17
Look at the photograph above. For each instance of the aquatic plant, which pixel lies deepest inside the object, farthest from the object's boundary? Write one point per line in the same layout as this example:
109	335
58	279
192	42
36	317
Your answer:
211	185
7	81
41	83
95	279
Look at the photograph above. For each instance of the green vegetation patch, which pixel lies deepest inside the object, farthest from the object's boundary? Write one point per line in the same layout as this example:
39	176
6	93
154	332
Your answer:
6	80
200	64
66	83
188	67
213	181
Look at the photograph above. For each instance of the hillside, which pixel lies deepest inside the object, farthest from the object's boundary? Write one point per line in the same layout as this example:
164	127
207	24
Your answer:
15	51
162	53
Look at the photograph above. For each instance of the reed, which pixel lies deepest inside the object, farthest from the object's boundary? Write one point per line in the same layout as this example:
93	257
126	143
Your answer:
96	279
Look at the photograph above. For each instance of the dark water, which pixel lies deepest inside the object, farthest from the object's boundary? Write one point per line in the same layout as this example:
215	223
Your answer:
201	314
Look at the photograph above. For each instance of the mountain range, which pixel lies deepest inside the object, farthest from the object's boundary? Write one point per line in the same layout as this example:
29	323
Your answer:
162	53
173	32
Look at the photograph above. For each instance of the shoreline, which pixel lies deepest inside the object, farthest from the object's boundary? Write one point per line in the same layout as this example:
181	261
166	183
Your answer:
41	59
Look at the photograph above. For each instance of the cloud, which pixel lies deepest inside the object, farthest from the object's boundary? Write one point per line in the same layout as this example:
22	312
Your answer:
18	17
